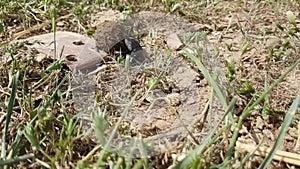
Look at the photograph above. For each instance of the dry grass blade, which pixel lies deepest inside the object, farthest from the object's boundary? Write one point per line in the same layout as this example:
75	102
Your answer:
283	156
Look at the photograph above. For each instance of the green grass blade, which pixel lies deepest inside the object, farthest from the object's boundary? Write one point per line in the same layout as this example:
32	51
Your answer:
101	125
285	126
16	159
208	77
30	135
9	113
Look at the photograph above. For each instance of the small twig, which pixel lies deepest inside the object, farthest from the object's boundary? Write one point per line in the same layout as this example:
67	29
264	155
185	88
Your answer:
154	101
203	119
240	27
91	153
43	81
224	32
185	127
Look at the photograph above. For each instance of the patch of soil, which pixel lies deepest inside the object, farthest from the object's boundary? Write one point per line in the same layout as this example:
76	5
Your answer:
164	114
266	58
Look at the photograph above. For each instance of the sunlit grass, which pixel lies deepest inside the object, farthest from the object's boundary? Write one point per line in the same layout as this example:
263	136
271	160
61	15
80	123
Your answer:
49	135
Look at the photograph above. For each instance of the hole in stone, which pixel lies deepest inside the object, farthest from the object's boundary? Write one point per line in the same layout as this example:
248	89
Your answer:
78	42
71	57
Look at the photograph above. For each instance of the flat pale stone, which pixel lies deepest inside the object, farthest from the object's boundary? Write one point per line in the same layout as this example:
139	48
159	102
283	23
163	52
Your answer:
174	42
78	50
